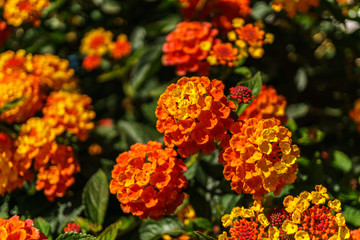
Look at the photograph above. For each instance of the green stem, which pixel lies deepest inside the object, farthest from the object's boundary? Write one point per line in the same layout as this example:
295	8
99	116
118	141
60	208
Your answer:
193	159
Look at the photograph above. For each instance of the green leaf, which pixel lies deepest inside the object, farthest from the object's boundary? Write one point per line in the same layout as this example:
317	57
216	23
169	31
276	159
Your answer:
42	225
254	84
118	228
342	161
202	236
352	215
229	201
11	104
199	223
152	230
138	132
76	236
96	196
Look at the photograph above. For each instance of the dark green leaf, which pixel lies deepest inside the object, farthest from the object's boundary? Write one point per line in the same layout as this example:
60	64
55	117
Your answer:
138	132
75	236
352	215
342	161
42	225
118	228
254	84
95	197
202	236
11	104
152	230
229	201
199	223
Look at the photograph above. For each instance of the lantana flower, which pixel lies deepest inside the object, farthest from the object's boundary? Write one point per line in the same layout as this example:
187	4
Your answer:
260	157
148	180
96	42
121	47
355	113
14	228
193	114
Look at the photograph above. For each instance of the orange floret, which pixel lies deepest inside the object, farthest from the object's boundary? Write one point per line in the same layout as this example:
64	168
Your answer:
355	113
355	234
71	112
267	105
245	223
18	11
91	62
18	61
57	176
120	48
312	219
17	86
12	174
183	47
14	228
223	54
293	6
260	157
148	180
96	42
250	34
193	114
219	12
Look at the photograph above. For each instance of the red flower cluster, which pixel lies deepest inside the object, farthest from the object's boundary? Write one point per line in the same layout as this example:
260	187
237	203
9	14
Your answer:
148	180
16	229
193	114
188	46
241	94
72	227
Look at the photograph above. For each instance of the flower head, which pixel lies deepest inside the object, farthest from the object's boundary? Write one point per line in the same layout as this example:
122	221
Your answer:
72	227
120	48
14	228
96	42
71	112
276	218
312	218
91	62
182	47
260	157
355	234
193	114
18	11
267	105
148	180
293	6
355	113
241	94
224	54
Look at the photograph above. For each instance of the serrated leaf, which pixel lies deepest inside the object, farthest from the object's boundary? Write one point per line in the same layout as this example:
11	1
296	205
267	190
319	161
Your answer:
342	161
75	236
254	84
352	215
11	104
42	225
95	197
117	229
152	230
202	236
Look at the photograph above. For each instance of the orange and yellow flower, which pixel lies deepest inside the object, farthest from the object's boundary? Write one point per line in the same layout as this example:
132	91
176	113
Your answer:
96	42
181	237
14	228
223	54
260	157
91	62
188	46
193	114
312	218
148	180
57	176
71	112
355	234
267	105
120	48
246	223
18	11
293	6
355	113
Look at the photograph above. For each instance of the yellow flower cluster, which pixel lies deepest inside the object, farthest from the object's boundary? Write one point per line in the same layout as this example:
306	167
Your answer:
18	11
316	221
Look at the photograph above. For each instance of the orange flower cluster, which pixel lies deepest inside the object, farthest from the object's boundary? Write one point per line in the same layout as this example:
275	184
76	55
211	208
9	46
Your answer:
267	105
316	221
223	54
14	228
17	12
355	113
71	112
293	6
12	173
98	42
355	234
247	223
193	114
260	157
188	46
148	180
219	12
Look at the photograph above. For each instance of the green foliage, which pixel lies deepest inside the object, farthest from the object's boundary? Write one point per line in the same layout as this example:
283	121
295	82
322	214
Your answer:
152	230
202	236
118	228
342	161
76	236
11	104
43	226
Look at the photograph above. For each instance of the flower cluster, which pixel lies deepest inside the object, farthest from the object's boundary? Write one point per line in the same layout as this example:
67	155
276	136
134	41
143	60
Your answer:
312	219
276	218
148	180
241	94
16	12
219	12
14	228
187	47
260	157
267	105
193	114
293	6
72	227
355	234
246	223
98	42
355	113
